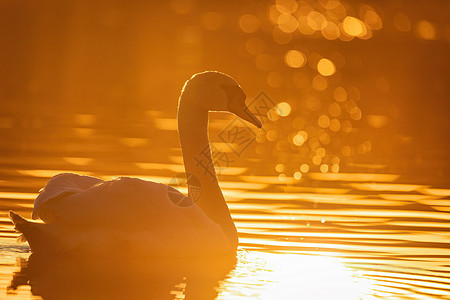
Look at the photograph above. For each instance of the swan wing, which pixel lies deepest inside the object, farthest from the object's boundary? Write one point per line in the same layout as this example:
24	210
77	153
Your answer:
89	201
129	210
58	186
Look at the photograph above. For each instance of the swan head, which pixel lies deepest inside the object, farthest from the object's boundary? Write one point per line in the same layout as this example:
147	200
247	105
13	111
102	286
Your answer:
216	91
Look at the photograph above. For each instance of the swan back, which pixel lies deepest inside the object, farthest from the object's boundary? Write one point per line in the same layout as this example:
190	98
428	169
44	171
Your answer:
125	215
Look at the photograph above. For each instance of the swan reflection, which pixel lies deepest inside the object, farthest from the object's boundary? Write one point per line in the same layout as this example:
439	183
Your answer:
251	274
81	278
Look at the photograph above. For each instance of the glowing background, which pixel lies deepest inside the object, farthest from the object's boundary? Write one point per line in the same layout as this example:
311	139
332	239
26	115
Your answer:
350	174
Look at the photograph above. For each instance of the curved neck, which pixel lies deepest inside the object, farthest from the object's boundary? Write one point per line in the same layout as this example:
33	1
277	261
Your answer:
198	162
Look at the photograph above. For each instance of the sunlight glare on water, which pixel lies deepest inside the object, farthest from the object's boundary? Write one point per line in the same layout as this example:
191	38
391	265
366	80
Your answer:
292	276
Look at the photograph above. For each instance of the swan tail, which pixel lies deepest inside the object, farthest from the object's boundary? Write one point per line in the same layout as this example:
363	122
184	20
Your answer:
17	221
39	239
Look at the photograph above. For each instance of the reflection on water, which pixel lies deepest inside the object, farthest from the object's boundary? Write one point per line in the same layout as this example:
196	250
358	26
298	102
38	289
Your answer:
343	240
263	275
256	275
362	235
61	278
345	192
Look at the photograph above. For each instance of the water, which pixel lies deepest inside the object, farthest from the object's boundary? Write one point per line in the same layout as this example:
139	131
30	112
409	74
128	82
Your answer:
346	235
345	194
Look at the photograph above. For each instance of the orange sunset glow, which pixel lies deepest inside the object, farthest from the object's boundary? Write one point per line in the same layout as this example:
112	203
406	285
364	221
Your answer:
200	150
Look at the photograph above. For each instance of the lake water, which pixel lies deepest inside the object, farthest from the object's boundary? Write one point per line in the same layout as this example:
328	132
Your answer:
370	234
344	194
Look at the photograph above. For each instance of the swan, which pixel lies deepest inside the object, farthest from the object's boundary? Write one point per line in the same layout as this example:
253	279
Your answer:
131	217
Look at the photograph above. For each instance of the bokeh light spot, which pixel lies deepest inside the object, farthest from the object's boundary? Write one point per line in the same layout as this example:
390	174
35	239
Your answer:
334	109
335	125
376	121
361	149
319	83
323	121
280	168
287	23
346	126
249	23
274	13
280	37
338	10
283	109
317	160
329	4
295	59
304	168
304	134
335	160
356	113
425	30
371	18
316	20
353	26
325	138
261	137
303	26
354	93
326	67
298	140
340	94
286	6
314	143
324	169
346	151
335	168
271	135
272	114
321	152
331	31
402	22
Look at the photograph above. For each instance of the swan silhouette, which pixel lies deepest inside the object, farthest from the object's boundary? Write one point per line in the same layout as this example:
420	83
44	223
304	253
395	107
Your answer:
130	217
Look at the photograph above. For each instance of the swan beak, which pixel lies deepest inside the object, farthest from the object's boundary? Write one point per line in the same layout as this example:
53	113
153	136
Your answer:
237	106
248	116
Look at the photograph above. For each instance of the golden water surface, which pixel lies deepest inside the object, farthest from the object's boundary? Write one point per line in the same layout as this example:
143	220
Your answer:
368	235
343	194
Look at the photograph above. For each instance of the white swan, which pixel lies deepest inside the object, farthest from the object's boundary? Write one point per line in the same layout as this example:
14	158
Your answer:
132	217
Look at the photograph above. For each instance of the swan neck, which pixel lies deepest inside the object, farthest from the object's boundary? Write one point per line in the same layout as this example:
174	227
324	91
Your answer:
193	131
198	162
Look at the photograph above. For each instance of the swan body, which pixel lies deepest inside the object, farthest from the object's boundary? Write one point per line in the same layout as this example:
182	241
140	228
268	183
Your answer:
131	217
